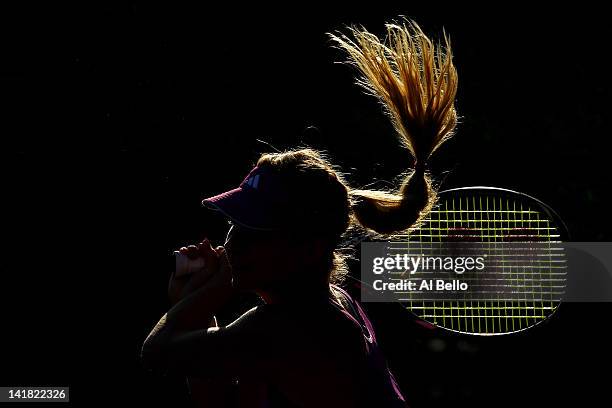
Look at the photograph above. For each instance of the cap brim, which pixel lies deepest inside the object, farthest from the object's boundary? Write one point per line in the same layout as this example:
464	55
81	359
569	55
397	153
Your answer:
244	208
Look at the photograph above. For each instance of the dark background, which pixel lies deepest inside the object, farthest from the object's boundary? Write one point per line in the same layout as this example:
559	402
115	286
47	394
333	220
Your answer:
118	120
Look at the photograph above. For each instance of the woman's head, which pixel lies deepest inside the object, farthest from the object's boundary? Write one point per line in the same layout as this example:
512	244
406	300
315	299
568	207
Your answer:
292	209
301	209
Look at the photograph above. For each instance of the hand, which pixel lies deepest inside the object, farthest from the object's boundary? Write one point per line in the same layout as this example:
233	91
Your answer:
217	271
177	284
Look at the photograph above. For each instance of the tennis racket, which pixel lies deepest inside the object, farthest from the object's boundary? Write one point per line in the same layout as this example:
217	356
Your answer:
517	291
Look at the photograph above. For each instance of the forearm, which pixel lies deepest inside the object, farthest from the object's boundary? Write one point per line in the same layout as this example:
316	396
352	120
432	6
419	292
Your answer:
198	309
192	313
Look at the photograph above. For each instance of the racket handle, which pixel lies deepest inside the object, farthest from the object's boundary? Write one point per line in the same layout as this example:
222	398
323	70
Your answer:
186	266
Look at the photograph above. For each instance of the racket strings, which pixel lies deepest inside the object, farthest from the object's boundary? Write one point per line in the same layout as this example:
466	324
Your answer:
535	283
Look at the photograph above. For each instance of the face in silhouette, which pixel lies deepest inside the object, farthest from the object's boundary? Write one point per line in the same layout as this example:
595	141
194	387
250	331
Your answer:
261	260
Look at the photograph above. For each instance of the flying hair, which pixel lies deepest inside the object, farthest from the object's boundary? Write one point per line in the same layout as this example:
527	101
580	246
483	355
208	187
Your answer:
416	82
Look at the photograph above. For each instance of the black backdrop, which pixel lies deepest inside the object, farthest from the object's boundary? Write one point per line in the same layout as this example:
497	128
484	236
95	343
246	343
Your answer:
117	120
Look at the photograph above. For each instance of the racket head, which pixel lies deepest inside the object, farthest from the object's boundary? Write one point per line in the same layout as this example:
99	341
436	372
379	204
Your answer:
494	215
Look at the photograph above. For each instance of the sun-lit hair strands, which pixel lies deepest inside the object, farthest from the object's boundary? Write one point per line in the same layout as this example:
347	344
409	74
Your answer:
414	79
387	212
416	82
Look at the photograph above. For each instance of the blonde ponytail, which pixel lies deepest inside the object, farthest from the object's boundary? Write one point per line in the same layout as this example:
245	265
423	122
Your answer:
416	82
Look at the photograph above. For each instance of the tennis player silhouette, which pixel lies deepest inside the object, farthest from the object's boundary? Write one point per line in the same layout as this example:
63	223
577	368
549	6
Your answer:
310	344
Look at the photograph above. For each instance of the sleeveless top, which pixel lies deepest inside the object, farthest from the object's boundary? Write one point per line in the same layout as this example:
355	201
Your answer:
383	390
